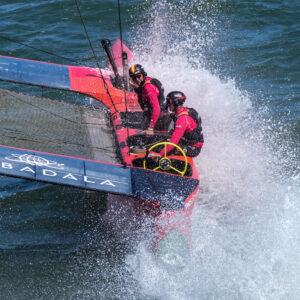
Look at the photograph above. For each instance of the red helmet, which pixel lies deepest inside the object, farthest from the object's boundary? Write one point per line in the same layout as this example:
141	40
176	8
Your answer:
175	98
137	69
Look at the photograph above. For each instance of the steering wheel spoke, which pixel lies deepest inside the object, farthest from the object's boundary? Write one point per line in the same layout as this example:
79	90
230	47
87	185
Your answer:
176	170
165	152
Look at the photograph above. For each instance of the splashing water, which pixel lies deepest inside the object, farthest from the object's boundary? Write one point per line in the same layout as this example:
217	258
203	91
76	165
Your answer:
245	225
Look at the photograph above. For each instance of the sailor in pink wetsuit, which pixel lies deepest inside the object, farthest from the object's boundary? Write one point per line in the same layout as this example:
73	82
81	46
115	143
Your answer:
150	96
188	131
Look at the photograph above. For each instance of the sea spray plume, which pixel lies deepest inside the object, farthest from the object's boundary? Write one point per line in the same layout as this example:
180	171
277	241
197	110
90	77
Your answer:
177	28
245	225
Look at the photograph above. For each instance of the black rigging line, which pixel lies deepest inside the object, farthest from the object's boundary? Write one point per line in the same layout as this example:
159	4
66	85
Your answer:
95	57
120	25
19	98
107	149
44	51
121	38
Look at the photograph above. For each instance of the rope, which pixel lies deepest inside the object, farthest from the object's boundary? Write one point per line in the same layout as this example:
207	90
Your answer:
107	149
95	57
18	97
123	66
44	51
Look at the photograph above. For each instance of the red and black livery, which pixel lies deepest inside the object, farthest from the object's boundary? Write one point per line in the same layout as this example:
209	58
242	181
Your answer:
167	193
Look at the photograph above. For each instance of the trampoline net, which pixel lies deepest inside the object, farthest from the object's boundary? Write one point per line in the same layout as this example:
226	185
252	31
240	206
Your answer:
51	126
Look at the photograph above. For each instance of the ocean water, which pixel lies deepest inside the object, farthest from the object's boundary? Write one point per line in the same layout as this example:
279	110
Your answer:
238	63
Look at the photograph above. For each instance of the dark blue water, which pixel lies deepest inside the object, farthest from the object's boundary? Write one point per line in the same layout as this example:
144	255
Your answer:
238	62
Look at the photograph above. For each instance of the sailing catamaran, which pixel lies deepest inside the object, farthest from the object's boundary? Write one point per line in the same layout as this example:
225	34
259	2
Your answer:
167	188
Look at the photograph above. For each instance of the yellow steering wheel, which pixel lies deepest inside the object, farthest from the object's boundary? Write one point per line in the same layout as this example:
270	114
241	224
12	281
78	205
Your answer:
165	162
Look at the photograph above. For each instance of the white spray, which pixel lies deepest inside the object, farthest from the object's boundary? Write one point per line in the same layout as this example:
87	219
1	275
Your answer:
246	222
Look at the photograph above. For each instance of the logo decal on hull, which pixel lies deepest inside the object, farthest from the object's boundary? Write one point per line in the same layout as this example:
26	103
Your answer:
34	160
41	169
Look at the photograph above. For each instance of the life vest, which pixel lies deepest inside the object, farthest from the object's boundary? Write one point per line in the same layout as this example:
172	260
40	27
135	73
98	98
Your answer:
161	97
196	135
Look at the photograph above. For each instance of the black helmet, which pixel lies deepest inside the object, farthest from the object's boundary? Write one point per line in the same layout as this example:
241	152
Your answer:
176	98
137	69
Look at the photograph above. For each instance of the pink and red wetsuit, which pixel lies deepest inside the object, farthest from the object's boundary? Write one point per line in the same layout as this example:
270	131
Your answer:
184	125
150	98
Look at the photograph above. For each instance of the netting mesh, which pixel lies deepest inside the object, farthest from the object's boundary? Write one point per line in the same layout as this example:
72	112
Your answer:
51	126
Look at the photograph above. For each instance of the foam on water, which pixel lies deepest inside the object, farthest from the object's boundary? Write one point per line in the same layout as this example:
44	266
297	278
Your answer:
246	222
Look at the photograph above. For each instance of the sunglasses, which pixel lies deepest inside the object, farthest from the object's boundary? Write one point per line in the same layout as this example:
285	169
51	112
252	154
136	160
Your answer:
136	76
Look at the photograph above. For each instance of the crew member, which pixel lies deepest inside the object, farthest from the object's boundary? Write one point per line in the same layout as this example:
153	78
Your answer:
187	131
151	99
